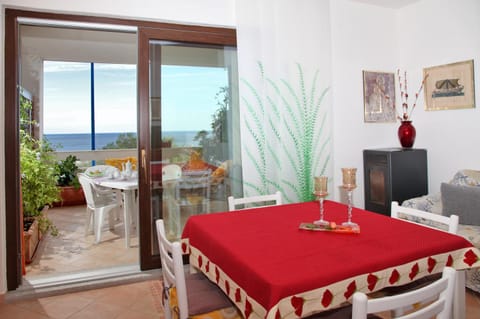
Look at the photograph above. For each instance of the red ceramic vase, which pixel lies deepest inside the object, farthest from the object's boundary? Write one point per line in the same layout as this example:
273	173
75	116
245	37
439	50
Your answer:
406	134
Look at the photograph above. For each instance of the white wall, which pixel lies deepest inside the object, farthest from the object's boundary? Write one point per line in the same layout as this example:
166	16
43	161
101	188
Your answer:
363	38
436	32
204	12
423	34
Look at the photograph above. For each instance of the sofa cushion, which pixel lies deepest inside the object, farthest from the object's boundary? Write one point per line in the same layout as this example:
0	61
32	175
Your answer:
463	201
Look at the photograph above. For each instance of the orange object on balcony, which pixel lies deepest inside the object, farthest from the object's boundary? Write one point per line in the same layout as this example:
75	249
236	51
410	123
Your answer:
118	162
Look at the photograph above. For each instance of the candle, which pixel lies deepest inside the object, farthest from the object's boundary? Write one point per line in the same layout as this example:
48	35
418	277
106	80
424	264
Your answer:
321	184
349	177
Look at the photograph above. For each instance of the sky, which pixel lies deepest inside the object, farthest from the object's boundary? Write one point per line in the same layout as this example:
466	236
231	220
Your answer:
188	97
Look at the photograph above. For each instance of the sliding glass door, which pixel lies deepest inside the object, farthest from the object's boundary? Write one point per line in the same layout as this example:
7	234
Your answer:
191	150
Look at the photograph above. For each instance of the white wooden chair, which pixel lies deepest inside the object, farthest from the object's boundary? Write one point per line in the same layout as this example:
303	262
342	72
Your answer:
188	295
425	218
436	299
100	202
254	201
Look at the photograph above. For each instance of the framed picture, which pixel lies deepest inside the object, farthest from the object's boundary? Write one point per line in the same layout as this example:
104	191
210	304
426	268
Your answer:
379	96
449	86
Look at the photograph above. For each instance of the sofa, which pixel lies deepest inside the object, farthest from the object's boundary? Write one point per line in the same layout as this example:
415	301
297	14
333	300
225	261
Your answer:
460	196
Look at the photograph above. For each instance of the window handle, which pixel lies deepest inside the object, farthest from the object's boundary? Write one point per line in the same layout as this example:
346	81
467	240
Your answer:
144	164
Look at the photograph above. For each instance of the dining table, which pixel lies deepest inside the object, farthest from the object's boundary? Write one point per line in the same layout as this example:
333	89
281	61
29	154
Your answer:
272	268
128	186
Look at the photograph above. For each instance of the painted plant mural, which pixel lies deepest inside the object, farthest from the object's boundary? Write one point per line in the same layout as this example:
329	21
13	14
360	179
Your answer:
288	136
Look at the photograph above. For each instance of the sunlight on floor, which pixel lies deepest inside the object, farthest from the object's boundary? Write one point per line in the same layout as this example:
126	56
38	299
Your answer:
71	251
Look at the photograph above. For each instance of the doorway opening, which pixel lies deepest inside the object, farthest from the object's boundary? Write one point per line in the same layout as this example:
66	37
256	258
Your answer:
83	91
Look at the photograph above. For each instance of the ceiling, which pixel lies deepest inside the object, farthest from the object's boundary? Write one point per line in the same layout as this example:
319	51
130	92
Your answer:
393	4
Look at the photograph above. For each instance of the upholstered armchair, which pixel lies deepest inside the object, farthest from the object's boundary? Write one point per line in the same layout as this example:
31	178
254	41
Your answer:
460	196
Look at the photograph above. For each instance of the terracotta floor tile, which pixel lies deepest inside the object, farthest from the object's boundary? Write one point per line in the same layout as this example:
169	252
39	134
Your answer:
138	315
98	310
62	307
14	312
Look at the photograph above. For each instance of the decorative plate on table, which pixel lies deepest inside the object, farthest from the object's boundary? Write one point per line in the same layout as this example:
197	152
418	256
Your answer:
96	173
331	227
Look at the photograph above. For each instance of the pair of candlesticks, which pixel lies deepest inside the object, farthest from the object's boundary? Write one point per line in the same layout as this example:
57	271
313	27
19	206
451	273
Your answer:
349	184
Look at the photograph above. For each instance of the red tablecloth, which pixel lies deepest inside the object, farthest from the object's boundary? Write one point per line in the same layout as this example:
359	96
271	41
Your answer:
272	269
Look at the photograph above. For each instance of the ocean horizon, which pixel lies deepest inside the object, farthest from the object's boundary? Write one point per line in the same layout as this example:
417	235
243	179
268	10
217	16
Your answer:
82	141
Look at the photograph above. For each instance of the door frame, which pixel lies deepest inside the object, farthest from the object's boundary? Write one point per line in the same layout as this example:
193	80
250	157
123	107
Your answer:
177	32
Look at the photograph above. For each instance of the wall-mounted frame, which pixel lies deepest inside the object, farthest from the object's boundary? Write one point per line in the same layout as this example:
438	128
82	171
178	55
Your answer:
449	86
379	96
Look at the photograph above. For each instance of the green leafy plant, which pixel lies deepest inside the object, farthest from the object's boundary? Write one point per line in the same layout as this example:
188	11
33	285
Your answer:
66	172
37	167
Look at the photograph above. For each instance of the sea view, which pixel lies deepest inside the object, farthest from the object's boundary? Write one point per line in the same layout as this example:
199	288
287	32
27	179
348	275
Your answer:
82	141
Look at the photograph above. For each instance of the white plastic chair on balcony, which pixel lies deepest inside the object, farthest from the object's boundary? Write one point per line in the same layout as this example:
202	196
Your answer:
448	223
171	172
100	171
254	201
100	202
195	293
436	299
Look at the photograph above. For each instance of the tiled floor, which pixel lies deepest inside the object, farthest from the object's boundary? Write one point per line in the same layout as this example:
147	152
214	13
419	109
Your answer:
140	300
71	251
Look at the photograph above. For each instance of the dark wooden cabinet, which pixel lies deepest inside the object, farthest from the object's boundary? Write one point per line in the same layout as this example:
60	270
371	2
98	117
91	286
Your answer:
393	174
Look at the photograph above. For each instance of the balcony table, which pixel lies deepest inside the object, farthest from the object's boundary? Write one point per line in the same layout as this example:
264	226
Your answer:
128	187
272	269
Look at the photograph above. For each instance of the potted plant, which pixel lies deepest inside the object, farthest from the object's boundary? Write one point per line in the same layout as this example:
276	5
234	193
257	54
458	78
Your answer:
38	184
167	142
39	190
70	191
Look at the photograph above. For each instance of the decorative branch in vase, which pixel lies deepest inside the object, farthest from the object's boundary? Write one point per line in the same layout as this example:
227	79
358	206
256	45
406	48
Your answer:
406	131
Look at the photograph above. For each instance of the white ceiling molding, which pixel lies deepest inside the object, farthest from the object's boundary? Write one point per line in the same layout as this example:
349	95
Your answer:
392	4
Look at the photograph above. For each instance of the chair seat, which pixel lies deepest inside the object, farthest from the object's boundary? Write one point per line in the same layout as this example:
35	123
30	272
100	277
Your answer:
338	313
419	283
204	296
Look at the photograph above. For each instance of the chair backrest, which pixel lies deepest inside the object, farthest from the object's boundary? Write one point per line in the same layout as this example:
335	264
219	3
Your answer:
85	181
172	270
254	201
425	218
194	188
101	170
437	298
95	195
171	172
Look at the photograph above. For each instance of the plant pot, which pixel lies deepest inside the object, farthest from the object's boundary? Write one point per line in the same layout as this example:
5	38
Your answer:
70	196
31	238
166	144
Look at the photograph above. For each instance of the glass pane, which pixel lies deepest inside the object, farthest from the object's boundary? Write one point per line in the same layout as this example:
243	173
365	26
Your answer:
67	87
194	139
115	106
67	97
